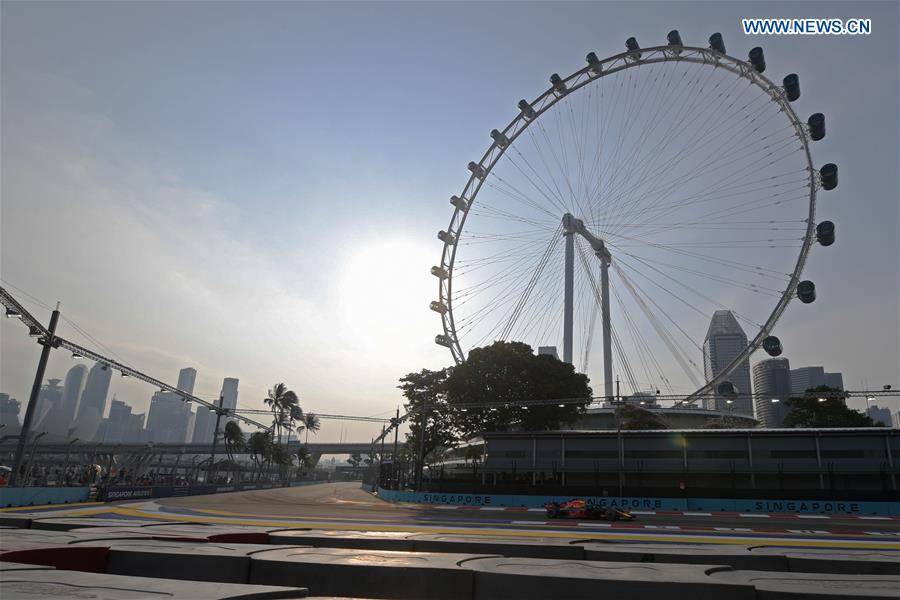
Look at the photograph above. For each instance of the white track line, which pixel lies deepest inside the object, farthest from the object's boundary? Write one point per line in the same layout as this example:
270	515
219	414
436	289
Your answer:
753	515
876	518
813	517
697	514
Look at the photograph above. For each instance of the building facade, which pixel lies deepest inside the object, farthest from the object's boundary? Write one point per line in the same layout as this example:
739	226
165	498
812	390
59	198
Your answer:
772	389
805	378
725	339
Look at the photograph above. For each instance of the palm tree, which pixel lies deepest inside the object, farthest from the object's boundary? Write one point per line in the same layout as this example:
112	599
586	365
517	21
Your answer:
234	443
311	422
280	401
295	416
260	447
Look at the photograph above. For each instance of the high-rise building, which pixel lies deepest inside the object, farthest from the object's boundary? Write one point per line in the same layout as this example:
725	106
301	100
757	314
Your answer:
93	403
59	420
204	422
895	420
49	399
549	351
725	340
879	415
95	390
229	395
772	389
169	417
806	378
9	413
187	377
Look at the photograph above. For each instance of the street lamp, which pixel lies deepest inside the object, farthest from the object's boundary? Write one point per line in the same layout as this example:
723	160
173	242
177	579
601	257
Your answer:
68	450
31	457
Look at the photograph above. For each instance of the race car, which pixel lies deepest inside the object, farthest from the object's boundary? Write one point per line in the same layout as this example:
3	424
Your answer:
579	509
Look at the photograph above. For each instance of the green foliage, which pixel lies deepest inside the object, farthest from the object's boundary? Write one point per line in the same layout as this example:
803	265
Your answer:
725	422
631	417
355	459
810	411
509	372
425	392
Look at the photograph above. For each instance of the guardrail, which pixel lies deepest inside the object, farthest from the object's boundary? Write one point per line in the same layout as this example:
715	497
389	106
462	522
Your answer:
655	504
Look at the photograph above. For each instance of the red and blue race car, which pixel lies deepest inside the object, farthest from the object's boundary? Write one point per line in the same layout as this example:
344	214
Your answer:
579	509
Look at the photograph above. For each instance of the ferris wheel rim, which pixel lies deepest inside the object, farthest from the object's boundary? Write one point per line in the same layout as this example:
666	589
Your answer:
571	84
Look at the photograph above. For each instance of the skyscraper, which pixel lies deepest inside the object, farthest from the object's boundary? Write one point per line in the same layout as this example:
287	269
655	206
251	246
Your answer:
95	390
805	378
724	341
61	418
229	395
9	413
168	419
49	398
880	415
772	386
186	379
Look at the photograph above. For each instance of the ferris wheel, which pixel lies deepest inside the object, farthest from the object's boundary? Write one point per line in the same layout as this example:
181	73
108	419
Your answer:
626	204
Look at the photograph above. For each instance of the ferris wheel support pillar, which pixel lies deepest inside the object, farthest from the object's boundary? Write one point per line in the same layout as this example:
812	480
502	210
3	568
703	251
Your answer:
604	305
569	297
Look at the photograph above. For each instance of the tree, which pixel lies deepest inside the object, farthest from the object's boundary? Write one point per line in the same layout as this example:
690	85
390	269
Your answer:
234	442
824	407
725	422
426	396
632	417
311	422
260	447
280	401
508	374
355	459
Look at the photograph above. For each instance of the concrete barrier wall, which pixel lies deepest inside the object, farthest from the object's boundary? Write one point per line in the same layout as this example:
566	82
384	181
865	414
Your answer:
113	493
35	496
655	504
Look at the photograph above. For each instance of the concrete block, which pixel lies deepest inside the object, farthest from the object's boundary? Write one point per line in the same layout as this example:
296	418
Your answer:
738	557
840	561
10	520
38	585
223	563
813	586
504	545
365	540
11	566
366	573
67	523
537	578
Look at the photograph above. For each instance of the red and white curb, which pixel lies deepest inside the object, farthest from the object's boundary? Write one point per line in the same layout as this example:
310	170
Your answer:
673	513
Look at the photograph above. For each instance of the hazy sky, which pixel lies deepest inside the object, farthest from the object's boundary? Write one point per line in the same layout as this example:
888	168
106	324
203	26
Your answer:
254	189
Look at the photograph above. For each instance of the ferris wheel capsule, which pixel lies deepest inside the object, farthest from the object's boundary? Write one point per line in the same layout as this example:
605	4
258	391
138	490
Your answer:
459	203
498	137
816	124
632	46
594	63
439	272
727	389
674	38
758	59
527	110
477	170
559	86
438	307
716	43
806	291
791	87
829	175
446	237
825	233
442	340
772	346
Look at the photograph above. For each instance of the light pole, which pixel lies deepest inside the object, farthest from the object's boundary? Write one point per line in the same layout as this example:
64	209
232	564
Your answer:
32	399
31	457
212	454
68	451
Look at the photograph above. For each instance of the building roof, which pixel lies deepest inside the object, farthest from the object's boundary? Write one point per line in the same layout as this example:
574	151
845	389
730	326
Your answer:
724	323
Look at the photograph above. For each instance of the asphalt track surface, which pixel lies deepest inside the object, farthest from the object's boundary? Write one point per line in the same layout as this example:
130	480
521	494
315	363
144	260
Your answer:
344	506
